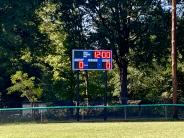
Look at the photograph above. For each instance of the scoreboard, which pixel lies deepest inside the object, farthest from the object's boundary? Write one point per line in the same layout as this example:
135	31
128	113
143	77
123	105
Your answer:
91	59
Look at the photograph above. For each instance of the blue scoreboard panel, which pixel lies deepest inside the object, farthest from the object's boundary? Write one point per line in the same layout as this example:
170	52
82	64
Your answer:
91	59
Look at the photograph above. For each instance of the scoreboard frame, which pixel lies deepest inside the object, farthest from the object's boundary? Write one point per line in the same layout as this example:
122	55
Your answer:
99	55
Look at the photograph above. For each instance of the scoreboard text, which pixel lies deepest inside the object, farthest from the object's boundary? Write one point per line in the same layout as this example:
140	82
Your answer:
91	59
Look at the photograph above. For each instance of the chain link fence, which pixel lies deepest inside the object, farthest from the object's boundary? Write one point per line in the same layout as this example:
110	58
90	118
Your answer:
91	113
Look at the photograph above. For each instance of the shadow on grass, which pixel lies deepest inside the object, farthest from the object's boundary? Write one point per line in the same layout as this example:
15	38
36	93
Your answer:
92	121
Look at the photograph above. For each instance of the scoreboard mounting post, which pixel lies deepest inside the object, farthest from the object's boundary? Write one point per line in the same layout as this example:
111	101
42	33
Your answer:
105	96
77	94
84	60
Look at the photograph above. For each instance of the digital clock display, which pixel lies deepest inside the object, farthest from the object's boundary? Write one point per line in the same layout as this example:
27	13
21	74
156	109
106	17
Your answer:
91	59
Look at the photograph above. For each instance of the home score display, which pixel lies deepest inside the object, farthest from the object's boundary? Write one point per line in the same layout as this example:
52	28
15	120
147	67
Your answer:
91	59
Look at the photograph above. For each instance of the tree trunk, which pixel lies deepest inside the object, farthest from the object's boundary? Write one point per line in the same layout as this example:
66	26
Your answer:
123	82
32	111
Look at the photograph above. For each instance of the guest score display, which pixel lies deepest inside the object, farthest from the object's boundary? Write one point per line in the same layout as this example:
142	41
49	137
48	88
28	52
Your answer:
91	59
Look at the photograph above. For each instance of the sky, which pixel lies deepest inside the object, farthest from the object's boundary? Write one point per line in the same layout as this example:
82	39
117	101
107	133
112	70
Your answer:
179	7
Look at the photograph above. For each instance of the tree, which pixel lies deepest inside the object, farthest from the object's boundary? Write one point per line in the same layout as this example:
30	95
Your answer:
129	28
20	41
31	41
37	37
25	86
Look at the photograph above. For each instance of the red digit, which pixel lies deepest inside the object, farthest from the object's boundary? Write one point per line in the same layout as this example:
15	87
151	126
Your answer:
107	65
108	54
104	55
97	54
81	65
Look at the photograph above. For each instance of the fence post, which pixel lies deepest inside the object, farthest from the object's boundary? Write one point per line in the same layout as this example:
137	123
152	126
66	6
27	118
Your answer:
41	116
165	107
125	113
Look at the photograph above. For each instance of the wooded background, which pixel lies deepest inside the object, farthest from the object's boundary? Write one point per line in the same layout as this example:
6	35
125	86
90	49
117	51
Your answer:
37	38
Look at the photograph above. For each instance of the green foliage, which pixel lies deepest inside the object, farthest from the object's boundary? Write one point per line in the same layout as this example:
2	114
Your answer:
149	84
37	37
25	85
51	26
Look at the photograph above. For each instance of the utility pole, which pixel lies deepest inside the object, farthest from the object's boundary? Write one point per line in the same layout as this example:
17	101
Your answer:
174	58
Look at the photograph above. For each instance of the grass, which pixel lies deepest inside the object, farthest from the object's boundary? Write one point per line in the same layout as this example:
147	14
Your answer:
94	130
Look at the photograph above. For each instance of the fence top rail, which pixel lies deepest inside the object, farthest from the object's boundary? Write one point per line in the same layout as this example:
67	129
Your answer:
82	107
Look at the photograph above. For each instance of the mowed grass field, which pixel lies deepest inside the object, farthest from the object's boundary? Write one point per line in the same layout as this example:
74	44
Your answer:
94	130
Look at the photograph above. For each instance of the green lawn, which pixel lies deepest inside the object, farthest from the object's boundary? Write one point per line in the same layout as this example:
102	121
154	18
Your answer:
94	130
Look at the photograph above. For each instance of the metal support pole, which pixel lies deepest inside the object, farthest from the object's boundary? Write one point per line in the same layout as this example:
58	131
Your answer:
41	116
105	96
87	85
125	112
77	94
165	108
174	58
